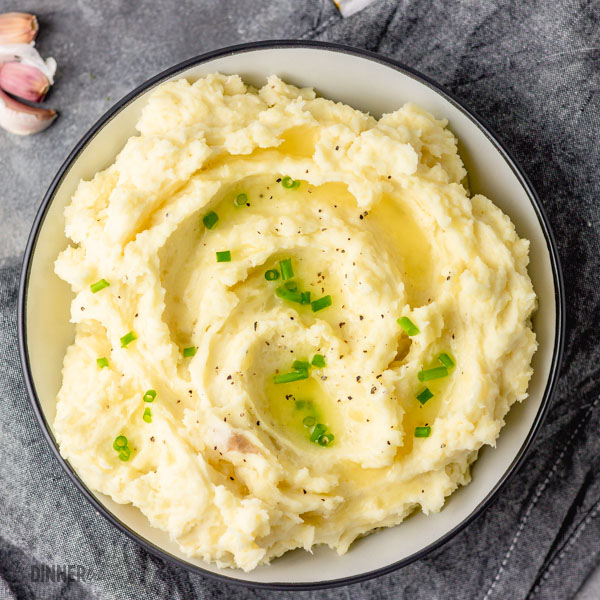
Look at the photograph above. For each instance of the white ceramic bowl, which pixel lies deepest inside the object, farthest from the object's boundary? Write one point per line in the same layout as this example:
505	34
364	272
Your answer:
371	83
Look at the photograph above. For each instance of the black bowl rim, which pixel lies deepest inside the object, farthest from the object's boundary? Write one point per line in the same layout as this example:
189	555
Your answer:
517	170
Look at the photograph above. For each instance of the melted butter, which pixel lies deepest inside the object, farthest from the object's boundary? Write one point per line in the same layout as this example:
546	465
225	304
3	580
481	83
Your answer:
421	415
299	141
288	404
394	221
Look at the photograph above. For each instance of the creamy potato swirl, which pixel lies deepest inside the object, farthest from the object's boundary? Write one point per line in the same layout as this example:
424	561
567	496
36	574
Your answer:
382	223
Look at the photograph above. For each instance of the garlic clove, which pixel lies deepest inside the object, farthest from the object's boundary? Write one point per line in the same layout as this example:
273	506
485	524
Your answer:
22	119
17	28
24	81
26	53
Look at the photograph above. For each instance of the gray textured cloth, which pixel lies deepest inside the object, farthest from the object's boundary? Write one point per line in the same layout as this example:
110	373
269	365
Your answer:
532	70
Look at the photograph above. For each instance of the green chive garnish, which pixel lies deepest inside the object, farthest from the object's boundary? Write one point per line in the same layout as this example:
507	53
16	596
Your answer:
317	432
290	184
435	373
424	396
446	360
102	362
281	292
119	443
422	432
318	361
409	327
241	200
149	396
325	439
300	365
287	272
288	377
308	421
147	416
210	219
124	454
190	351
272	275
305	297
291	285
128	338
99	285
224	256
321	303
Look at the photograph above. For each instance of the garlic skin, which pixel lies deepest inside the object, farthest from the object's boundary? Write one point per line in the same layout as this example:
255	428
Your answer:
24	81
21	119
26	53
24	74
17	28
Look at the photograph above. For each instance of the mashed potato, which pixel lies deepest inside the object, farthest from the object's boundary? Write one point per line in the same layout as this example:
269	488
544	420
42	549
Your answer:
239	371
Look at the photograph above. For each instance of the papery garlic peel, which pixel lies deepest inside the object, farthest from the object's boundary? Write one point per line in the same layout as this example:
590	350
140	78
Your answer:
24	81
21	119
17	28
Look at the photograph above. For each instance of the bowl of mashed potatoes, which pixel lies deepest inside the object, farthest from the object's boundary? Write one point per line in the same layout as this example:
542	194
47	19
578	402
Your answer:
299	328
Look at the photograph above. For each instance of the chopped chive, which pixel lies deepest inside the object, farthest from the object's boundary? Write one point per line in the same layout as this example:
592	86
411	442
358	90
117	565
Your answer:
424	396
241	200
147	416
305	297
128	338
124	454
149	396
288	377
290	184
299	404
325	439
210	219
308	421
120	446
190	351
272	275
300	365
102	362
409	327
287	272
318	360
317	432
99	285
321	303
291	285
435	373
120	442
422	432
446	360
281	292
224	256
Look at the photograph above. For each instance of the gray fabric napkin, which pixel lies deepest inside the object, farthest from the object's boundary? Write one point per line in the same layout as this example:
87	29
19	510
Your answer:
532	70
